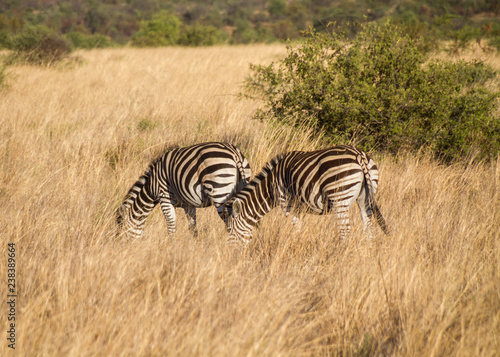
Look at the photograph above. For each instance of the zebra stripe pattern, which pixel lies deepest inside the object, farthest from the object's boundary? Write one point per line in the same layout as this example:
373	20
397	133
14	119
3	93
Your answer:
192	177
320	181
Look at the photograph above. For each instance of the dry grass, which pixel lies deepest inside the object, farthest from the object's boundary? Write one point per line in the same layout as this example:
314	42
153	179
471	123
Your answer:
74	140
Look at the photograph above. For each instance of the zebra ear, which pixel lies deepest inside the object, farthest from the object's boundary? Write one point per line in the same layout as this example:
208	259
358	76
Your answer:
236	207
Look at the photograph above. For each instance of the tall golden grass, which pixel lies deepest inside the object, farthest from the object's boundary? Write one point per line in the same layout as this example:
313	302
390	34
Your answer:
73	141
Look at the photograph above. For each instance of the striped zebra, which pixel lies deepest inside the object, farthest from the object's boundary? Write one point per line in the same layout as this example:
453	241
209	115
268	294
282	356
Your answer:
320	181
192	177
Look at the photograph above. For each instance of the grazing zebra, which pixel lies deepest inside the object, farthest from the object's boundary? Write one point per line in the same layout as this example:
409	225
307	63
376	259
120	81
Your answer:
191	177
320	181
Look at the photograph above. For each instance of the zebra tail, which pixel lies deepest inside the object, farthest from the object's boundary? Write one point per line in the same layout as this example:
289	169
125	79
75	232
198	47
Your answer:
372	204
378	214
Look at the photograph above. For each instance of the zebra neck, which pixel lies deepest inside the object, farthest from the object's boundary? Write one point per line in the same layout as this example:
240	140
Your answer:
259	197
141	199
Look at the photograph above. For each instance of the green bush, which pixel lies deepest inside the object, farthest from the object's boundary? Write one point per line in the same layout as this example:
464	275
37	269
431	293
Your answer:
162	30
378	91
38	45
200	35
276	7
244	33
4	37
81	40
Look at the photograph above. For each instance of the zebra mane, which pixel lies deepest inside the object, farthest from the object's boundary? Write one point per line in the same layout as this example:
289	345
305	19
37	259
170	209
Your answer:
264	172
139	184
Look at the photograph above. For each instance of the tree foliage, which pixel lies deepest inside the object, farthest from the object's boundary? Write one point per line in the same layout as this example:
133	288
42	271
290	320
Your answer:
38	45
378	90
162	30
82	40
462	22
201	35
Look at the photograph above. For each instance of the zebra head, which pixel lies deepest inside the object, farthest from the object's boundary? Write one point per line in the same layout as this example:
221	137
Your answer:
238	229
131	226
138	204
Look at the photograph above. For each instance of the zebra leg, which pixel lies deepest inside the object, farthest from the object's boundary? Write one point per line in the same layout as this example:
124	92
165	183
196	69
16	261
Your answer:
191	215
342	213
168	210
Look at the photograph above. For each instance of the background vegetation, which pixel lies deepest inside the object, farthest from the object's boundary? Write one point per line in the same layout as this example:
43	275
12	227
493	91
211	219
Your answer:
109	22
74	140
37	44
378	90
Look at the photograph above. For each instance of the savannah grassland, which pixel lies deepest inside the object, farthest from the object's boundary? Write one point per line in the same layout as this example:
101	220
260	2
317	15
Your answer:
74	139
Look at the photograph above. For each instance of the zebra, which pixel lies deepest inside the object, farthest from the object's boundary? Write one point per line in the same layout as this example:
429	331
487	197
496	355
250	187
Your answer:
191	177
319	181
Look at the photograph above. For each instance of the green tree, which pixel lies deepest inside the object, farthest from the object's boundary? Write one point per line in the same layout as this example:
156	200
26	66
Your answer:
81	40
378	90
200	35
244	32
162	30
276	7
38	45
97	18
